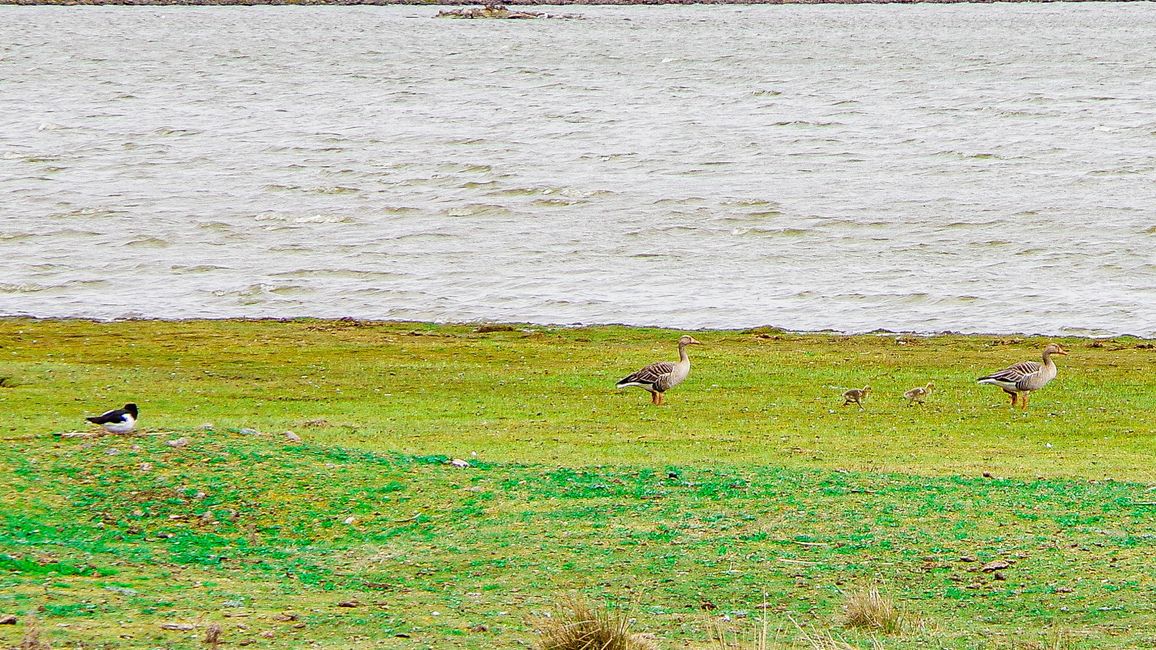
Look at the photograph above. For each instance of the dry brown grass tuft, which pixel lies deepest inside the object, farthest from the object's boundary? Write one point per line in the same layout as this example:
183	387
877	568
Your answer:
870	610
1057	640
578	626
763	639
733	641
31	640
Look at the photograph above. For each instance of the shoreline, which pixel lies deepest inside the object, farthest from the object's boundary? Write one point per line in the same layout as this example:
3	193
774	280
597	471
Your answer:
484	326
523	3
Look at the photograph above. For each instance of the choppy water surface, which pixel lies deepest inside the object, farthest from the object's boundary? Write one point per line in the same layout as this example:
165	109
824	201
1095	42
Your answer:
967	167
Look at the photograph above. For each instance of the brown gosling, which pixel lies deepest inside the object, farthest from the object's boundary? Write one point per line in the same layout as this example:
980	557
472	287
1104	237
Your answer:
856	396
659	377
1026	376
919	393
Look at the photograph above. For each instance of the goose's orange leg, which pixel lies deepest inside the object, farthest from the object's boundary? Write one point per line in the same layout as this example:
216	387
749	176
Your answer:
661	399
654	398
1024	402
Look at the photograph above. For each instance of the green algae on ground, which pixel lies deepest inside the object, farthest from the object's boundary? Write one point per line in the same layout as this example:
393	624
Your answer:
751	487
116	536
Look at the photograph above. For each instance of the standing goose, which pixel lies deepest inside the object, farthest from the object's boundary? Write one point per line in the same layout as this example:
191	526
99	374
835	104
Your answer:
662	376
1025	376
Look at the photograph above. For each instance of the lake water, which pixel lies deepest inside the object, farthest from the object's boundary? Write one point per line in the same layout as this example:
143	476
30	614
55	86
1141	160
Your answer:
985	168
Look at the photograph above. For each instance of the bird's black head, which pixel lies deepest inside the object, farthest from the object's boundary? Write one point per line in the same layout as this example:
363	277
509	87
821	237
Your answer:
131	408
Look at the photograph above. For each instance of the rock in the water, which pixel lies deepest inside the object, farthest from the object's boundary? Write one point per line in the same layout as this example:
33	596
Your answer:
488	11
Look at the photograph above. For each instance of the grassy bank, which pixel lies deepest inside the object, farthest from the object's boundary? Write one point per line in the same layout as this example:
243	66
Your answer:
547	395
753	485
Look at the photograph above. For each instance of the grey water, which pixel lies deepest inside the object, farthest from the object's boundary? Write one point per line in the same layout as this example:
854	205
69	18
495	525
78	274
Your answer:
975	168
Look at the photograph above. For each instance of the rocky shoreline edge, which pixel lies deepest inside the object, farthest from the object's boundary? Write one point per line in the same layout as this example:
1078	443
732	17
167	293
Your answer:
196	3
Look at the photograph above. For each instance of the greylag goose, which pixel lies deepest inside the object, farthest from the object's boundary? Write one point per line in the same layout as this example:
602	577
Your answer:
662	376
1025	376
856	396
919	393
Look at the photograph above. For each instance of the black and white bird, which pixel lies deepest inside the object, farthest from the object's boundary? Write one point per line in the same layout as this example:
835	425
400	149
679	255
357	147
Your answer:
657	378
117	421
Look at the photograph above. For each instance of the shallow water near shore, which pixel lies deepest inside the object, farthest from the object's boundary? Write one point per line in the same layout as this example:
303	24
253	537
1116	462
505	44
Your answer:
967	167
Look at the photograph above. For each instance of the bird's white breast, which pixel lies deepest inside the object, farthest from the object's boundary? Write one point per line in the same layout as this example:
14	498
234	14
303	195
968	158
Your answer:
124	426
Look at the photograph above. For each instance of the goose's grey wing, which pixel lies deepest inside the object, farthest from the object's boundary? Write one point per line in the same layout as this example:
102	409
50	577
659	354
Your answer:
648	375
1013	375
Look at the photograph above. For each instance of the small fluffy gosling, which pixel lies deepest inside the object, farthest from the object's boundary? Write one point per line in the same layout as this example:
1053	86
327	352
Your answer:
918	394
856	396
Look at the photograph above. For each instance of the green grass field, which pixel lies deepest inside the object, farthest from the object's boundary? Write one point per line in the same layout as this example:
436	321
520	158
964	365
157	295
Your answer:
752	493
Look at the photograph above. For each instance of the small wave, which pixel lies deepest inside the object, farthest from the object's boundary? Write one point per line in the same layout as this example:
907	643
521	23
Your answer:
806	123
477	185
466	168
556	203
968	224
751	203
773	232
40	160
24	287
689	200
750	217
291	290
167	131
249	295
419	236
477	210
219	226
528	191
349	274
198	268
89	213
148	242
963	155
324	218
400	209
34	287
